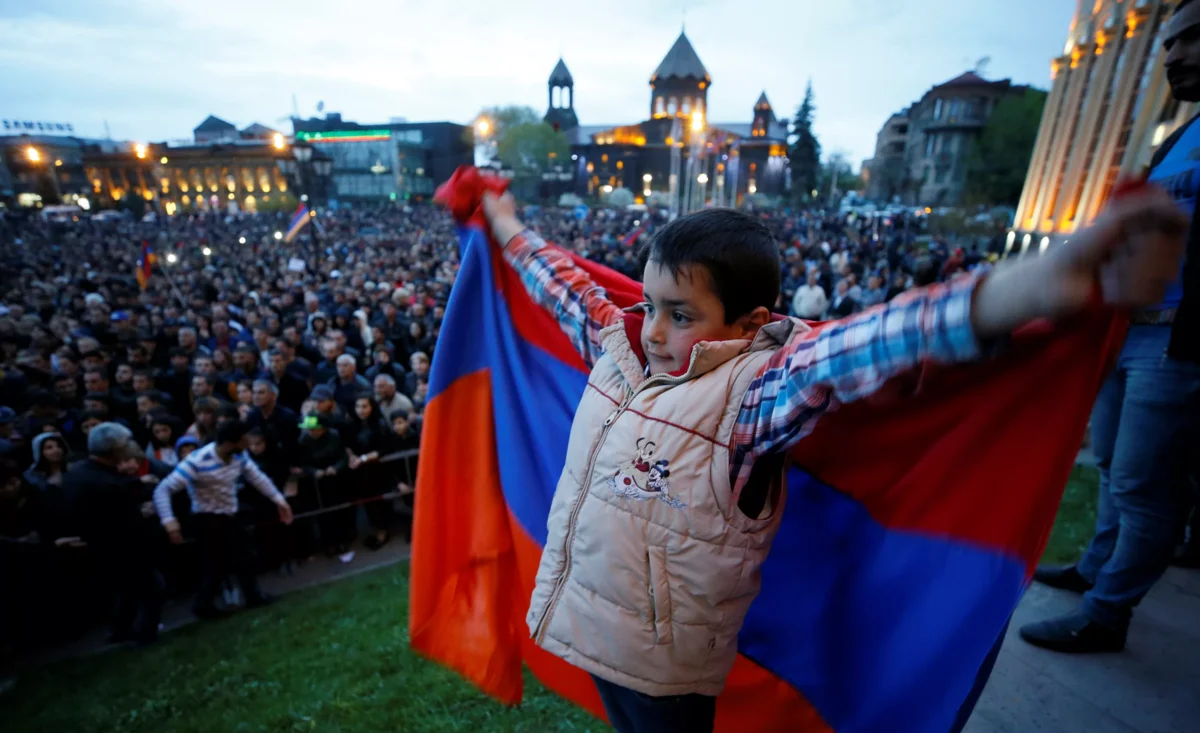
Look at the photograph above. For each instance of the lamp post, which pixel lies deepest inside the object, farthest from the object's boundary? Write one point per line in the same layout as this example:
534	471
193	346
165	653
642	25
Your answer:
702	179
306	170
646	179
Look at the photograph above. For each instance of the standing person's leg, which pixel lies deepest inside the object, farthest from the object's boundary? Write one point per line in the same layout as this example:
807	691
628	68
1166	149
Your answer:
244	563
1147	474
151	592
210	532
630	711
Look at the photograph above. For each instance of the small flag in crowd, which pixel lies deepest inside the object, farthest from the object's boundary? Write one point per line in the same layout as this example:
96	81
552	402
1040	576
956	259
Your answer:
300	218
144	265
632	239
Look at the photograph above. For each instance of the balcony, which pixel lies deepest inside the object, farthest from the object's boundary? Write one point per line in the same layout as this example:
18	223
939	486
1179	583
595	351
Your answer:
956	123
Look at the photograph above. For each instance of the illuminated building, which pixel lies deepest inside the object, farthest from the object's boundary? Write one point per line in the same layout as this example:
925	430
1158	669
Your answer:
223	170
737	157
921	153
1109	108
387	161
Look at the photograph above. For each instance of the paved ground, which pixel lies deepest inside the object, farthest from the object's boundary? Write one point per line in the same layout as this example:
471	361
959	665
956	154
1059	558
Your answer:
1151	687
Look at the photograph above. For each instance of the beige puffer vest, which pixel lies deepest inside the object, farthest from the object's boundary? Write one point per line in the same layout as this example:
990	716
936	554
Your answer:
649	566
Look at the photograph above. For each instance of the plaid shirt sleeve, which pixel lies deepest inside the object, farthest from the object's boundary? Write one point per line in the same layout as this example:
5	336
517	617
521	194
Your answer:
580	306
846	361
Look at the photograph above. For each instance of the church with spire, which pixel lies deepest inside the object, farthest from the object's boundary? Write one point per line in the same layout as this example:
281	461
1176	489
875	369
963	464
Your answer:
647	157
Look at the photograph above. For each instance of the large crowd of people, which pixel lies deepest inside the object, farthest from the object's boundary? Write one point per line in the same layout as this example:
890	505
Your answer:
122	402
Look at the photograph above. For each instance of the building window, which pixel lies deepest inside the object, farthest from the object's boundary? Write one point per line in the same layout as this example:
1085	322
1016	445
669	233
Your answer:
604	158
248	179
930	141
699	106
672	105
620	165
658	107
937	109
264	181
687	106
591	167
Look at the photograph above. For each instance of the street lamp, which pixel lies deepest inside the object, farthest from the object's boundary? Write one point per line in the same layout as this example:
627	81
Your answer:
278	236
206	252
241	240
483	127
171	258
697	121
277	141
139	149
33	154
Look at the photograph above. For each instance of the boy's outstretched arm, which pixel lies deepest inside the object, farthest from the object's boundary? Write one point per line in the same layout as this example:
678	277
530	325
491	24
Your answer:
581	307
1131	254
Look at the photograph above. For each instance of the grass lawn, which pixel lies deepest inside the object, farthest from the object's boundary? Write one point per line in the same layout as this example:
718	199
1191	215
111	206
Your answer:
333	659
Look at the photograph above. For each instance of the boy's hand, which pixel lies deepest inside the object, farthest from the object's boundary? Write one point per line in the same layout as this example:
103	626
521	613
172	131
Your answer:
1133	252
501	214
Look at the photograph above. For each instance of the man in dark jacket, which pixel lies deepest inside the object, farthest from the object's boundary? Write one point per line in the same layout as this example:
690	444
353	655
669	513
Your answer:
278	423
108	513
322	458
1147	415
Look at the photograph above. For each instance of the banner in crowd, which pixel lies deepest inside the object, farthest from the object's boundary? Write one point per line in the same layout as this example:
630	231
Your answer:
912	525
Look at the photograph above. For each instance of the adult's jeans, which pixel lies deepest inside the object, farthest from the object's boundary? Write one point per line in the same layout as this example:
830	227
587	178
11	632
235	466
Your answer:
1144	424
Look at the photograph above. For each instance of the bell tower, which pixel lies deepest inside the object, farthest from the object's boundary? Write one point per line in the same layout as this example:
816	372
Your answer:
561	87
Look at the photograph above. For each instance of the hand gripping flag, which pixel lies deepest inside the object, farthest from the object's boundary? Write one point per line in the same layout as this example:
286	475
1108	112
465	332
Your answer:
912	525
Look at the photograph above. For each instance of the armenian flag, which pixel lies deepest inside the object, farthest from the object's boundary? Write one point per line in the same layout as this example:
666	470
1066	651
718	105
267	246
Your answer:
912	525
632	238
144	265
299	219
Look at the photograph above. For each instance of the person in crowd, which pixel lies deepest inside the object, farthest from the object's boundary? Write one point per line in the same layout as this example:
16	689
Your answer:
205	409
419	373
322	458
348	384
276	422
407	434
332	414
842	304
368	439
164	431
50	463
810	301
276	544
388	399
210	475
293	389
109	512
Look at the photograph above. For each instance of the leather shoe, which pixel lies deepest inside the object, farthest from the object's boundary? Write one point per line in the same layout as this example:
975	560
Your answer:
1064	577
1074	634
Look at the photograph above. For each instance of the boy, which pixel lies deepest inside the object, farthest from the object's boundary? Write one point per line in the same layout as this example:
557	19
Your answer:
672	489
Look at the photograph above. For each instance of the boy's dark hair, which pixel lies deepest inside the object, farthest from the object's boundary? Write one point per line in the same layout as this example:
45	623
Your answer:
736	249
230	431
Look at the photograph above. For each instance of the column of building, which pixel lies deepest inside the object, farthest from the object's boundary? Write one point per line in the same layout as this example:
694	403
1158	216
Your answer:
1079	74
1039	171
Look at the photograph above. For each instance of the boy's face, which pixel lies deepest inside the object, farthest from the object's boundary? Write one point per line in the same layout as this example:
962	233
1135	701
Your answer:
683	310
399	425
257	444
162	433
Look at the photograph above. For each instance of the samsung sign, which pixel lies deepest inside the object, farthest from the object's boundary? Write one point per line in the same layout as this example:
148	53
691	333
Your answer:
49	128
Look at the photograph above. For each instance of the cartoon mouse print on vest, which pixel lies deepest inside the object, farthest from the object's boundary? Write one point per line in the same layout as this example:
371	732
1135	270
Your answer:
630	484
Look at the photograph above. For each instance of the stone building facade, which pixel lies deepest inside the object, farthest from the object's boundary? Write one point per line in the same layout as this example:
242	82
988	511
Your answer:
1109	108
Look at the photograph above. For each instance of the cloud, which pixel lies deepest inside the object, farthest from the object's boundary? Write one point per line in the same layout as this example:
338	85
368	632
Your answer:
154	70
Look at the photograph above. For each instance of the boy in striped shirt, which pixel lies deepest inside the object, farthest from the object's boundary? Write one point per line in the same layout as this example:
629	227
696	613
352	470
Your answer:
210	475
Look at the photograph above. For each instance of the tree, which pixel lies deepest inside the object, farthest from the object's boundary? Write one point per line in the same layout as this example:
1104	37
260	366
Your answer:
529	149
846	180
505	117
805	152
620	198
999	159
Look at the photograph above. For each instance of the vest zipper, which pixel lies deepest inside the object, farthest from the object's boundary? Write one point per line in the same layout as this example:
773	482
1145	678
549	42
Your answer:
539	635
586	486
